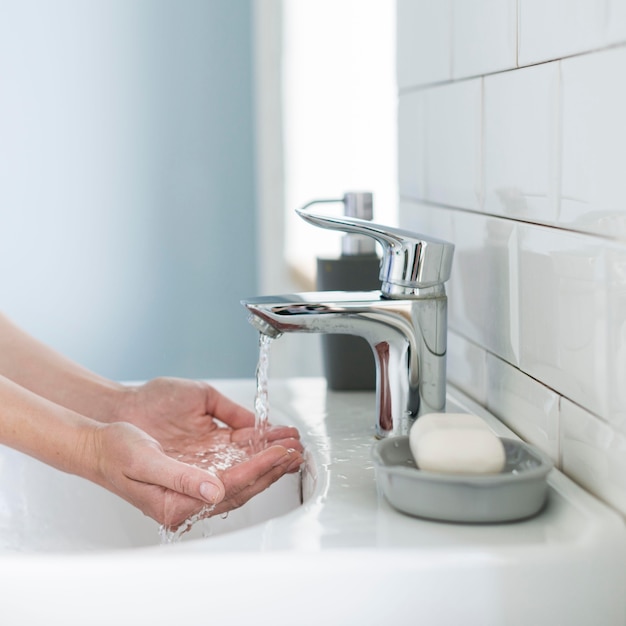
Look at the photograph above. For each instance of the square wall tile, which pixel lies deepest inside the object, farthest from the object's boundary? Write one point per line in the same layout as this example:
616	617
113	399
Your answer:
594	143
484	36
524	405
521	142
615	256
412	145
424	42
593	454
453	144
427	219
563	313
552	29
484	275
616	21
467	367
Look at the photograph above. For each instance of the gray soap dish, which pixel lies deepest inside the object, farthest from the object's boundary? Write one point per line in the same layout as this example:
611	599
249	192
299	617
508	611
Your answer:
518	492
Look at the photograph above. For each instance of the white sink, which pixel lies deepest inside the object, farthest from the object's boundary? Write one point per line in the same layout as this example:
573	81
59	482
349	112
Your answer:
73	553
42	510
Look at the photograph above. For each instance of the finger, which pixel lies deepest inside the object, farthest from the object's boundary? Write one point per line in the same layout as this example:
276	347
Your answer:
289	444
167	507
175	508
241	483
159	469
250	478
282	432
285	436
228	411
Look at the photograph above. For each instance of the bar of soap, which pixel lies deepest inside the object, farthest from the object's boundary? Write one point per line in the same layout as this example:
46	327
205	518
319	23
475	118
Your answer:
455	443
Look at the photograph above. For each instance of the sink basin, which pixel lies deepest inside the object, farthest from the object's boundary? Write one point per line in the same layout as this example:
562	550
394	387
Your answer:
323	547
42	510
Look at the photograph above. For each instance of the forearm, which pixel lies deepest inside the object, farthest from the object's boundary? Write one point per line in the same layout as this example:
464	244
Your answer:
45	372
51	433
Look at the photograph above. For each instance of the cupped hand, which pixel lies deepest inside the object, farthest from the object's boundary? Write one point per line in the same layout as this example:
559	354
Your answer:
204	436
134	466
182	414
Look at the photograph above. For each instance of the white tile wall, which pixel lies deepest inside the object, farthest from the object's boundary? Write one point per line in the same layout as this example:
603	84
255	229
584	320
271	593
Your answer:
521	134
482	302
424	41
552	29
594	143
412	148
563	313
615	258
616	21
525	405
453	144
467	366
483	36
520	160
594	454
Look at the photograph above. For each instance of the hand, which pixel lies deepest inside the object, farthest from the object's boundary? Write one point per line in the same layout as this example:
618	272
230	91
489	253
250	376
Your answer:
132	465
181	415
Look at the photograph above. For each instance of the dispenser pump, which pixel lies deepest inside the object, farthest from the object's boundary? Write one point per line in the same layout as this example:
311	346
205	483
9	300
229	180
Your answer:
359	204
348	359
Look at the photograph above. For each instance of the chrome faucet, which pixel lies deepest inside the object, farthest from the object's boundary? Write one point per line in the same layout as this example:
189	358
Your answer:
405	323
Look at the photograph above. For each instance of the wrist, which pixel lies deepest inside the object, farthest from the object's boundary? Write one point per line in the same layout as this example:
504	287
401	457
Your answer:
111	402
123	403
83	451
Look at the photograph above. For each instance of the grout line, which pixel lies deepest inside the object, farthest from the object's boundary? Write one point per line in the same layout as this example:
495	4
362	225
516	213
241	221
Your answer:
560	395
518	220
407	90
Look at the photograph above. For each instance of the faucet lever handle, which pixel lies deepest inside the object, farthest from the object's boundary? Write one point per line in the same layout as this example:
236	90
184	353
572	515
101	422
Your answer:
410	261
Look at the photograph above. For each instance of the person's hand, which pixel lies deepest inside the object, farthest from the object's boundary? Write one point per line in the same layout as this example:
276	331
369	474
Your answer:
181	414
172	447
196	425
132	465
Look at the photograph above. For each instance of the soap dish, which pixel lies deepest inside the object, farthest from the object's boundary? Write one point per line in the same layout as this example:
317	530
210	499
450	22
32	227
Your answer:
519	491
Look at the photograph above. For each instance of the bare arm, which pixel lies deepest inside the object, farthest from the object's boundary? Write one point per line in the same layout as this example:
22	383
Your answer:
42	429
120	457
82	423
45	372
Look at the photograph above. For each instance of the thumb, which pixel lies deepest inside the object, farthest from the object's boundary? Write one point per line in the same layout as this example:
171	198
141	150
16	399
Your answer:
187	479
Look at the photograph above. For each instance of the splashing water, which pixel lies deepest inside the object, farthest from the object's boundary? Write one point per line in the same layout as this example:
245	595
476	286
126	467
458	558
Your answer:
213	458
261	401
168	535
219	456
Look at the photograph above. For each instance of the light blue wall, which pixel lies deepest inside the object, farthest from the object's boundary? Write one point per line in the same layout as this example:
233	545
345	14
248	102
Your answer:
127	207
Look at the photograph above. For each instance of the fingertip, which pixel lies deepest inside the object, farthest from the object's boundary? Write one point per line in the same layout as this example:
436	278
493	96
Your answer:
295	465
280	453
283	432
212	492
289	458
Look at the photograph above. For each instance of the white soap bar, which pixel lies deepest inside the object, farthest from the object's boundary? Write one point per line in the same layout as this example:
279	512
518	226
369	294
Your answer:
456	443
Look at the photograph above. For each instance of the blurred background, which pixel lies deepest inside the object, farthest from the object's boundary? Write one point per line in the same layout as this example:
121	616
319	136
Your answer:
151	153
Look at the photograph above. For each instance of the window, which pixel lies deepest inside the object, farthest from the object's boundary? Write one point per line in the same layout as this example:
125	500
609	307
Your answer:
338	120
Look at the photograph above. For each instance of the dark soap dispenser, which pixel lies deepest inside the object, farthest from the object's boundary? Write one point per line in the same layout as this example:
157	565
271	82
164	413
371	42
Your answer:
348	360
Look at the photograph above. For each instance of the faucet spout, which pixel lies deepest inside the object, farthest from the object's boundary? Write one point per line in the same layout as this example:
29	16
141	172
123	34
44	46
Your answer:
407	337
